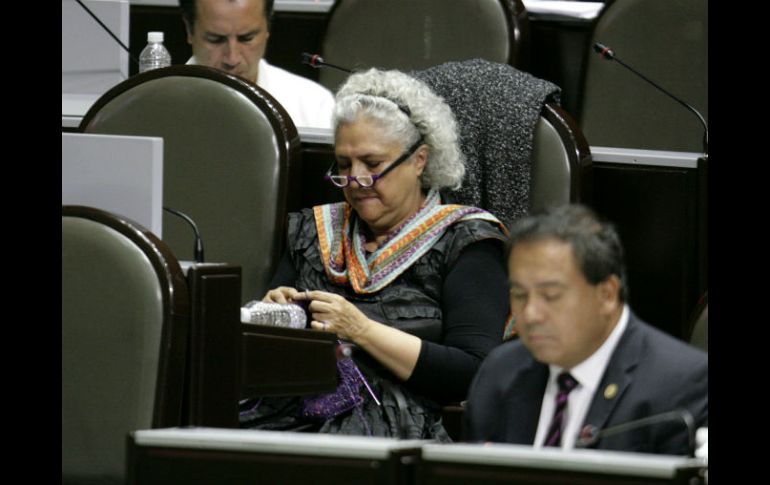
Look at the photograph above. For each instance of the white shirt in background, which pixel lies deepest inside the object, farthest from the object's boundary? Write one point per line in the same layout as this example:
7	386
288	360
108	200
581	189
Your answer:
308	103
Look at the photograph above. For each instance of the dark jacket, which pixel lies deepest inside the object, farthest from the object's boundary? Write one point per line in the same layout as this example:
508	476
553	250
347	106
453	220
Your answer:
654	372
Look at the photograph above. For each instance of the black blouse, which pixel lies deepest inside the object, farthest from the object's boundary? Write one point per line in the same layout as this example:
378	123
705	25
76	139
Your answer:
455	298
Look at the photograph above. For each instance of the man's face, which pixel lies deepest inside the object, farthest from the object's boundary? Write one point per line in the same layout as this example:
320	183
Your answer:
230	35
560	317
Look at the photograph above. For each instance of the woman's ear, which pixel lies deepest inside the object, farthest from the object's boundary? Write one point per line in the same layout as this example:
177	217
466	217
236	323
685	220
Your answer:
421	158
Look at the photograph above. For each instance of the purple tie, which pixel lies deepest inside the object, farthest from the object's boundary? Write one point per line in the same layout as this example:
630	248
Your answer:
566	384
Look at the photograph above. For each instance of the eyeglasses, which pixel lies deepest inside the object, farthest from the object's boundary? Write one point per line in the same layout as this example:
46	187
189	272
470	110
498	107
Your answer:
367	181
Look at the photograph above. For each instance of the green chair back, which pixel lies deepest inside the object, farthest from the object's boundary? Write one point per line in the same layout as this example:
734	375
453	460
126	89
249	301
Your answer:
667	41
416	34
125	318
230	157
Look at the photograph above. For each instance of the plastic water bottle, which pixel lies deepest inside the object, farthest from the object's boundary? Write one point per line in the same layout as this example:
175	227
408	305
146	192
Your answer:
155	54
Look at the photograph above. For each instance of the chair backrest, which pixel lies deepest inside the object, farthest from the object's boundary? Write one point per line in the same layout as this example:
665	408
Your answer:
415	34
561	161
522	152
125	317
667	42
230	157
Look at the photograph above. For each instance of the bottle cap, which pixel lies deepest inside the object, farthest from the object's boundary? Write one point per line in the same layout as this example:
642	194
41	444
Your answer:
154	36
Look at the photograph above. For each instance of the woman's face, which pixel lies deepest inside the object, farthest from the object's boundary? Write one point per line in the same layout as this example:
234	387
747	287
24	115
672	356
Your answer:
362	150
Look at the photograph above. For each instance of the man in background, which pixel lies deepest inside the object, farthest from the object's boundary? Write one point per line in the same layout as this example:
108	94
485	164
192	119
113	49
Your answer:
583	361
232	35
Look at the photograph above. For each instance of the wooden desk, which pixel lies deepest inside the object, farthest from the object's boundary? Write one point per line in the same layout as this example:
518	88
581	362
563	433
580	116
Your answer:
207	456
499	463
286	361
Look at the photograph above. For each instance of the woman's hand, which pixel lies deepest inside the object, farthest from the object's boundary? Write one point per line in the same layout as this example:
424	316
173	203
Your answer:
333	313
396	350
282	294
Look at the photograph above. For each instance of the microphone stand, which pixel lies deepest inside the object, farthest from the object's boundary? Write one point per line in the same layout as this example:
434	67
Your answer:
702	171
593	434
198	246
609	54
316	61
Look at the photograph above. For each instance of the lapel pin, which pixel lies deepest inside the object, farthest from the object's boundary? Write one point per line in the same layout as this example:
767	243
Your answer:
610	391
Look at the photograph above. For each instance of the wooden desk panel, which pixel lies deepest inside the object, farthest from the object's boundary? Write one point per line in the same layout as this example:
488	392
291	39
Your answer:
655	210
286	361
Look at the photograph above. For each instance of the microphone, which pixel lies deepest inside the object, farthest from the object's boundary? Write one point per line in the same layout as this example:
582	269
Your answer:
316	61
198	247
125	48
590	434
609	55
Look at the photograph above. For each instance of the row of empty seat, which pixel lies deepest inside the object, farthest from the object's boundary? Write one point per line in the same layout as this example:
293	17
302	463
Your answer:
667	41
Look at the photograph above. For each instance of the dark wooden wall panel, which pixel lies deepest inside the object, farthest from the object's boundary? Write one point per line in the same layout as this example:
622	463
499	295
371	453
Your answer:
656	214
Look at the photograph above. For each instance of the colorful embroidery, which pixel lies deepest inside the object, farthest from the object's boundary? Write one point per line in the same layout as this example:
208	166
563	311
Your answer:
344	256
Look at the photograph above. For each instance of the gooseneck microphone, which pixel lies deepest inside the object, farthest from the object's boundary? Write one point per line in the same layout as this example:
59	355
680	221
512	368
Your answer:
590	434
108	31
609	55
198	247
316	61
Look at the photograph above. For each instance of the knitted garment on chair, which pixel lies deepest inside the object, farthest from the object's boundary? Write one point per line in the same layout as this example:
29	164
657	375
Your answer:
342	247
497	108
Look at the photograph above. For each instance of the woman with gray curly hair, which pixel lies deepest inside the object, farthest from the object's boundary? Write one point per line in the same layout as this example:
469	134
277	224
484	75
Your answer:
382	98
417	286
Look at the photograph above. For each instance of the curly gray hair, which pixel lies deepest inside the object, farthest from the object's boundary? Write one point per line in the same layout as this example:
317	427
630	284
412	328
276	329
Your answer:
406	109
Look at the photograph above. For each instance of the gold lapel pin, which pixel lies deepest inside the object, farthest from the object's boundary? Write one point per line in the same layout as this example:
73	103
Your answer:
610	391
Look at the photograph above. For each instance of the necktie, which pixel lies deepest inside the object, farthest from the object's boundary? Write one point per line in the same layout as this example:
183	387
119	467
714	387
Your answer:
566	384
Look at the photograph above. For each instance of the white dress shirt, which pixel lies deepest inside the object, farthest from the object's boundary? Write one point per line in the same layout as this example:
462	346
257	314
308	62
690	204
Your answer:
588	374
308	103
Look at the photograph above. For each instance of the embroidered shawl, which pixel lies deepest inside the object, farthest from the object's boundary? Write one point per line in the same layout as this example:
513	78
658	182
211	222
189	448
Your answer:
342	246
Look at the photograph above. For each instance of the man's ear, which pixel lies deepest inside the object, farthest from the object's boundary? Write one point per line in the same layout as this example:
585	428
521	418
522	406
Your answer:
609	293
189	30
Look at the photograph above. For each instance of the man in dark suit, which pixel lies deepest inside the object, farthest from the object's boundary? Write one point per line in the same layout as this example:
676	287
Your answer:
583	362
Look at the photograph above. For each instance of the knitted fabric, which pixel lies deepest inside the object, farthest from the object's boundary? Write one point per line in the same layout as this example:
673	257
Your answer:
497	108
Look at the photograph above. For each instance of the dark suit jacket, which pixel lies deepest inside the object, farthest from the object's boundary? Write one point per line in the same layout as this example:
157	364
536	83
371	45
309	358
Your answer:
654	372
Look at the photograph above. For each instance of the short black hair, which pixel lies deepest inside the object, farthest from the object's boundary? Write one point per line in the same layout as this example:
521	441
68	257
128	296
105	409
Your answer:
189	13
595	243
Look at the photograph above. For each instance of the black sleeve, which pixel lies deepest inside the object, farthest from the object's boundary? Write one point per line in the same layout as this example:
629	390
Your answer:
285	274
475	306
